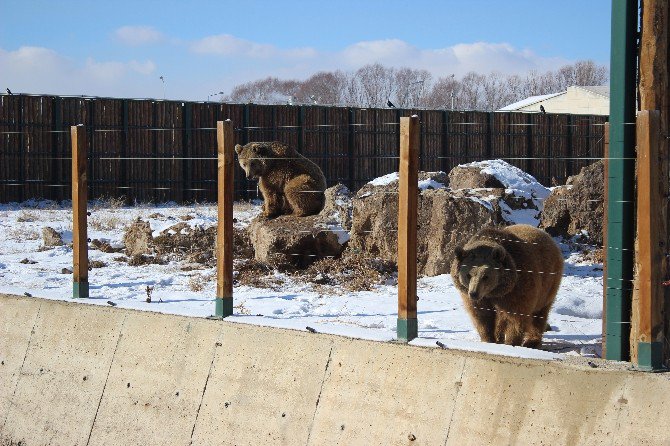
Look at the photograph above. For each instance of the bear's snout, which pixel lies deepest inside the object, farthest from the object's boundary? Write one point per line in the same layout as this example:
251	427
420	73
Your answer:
474	295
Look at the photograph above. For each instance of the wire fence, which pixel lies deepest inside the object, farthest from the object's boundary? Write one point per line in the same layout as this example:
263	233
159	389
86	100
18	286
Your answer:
158	151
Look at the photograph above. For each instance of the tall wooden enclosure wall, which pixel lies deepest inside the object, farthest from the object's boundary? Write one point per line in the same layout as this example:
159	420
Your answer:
148	150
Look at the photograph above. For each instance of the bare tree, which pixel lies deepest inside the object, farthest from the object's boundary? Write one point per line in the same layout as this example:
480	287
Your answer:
375	83
372	85
323	88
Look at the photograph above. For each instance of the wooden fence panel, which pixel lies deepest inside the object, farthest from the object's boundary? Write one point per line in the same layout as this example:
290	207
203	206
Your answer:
170	146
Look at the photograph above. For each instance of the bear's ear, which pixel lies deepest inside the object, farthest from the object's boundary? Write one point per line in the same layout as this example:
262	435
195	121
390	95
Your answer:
238	148
460	252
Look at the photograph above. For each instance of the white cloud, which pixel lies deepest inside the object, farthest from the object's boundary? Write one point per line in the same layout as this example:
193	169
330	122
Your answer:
42	70
482	57
138	35
231	46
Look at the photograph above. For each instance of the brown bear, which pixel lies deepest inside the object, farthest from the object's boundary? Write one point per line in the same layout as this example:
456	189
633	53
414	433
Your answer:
290	183
508	279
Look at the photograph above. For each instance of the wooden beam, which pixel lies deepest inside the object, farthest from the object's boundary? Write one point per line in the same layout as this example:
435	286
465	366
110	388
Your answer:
654	94
407	229
650	235
224	234
79	213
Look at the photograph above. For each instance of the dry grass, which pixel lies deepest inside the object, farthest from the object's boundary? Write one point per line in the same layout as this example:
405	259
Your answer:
196	283
107	223
21	234
27	217
113	203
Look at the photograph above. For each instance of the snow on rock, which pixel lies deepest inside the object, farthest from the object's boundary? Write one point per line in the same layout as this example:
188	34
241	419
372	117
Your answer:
385	180
520	197
512	178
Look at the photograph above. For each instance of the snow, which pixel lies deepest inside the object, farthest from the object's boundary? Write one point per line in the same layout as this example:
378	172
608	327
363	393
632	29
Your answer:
576	317
513	178
430	184
385	180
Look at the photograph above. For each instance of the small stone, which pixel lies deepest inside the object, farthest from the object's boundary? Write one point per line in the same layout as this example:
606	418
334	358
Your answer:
342	427
84	378
27	261
283	415
27	294
66	271
226	404
128	386
411	437
51	237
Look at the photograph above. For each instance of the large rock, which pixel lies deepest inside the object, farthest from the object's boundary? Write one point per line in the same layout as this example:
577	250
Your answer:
468	176
288	242
446	218
338	206
578	207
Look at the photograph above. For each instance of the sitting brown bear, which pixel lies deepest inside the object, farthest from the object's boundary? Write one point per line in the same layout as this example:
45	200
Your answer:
508	279
290	183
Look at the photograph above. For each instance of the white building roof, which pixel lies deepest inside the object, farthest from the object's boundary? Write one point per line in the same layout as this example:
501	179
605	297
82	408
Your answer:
529	101
602	90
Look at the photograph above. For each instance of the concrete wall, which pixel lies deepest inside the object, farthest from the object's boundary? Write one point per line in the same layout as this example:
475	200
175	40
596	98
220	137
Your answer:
75	374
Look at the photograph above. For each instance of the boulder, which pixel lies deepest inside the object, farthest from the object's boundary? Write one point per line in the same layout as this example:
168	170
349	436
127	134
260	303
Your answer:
338	206
51	237
577	207
289	242
446	218
469	176
138	239
516	195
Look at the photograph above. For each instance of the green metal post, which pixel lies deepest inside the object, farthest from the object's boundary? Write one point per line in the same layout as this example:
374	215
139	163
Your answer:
621	212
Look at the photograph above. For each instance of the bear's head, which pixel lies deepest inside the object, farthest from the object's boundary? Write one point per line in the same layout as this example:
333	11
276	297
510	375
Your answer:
484	270
254	158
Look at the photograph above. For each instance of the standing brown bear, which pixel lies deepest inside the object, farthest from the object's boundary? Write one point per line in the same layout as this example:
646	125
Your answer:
290	183
508	279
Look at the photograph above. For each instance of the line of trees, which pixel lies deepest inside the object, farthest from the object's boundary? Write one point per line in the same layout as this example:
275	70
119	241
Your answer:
374	84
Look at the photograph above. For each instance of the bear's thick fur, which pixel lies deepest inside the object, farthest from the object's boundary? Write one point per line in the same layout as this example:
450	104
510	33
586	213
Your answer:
290	183
508	279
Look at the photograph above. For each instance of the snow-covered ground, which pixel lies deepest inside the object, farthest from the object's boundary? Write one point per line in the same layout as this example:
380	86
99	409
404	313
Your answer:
575	319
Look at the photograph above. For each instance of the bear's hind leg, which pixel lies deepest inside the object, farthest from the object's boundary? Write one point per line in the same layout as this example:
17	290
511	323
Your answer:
303	196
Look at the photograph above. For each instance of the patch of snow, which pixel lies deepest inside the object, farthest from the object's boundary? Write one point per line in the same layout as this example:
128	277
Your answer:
385	180
520	216
430	184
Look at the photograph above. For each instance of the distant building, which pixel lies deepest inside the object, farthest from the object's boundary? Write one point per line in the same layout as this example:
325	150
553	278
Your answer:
576	100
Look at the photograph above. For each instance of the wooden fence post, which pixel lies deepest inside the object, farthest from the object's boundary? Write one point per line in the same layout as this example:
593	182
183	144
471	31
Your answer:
651	229
79	213
407	327
224	233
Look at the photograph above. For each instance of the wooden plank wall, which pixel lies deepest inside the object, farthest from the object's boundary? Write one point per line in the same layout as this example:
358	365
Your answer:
147	150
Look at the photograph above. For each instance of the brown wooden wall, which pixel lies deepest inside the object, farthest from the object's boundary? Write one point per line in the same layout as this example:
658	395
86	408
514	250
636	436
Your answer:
148	150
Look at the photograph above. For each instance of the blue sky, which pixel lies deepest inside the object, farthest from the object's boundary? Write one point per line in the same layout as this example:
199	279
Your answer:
121	48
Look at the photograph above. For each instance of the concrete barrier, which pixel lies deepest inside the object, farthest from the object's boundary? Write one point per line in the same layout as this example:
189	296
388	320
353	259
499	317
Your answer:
75	374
